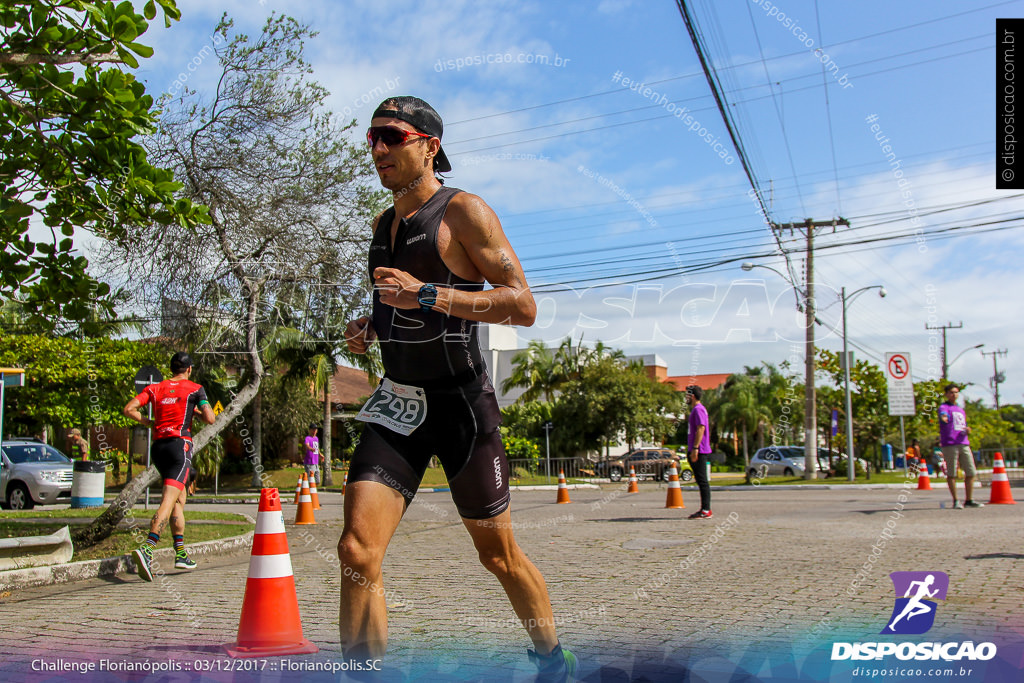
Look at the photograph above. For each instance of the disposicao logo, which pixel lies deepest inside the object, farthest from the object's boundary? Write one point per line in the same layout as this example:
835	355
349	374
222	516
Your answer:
914	613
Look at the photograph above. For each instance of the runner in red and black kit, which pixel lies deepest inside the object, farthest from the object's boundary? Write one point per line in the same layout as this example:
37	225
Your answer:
174	405
429	259
175	402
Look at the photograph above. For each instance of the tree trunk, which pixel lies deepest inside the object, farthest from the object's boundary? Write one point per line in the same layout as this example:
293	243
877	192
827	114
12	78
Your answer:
257	440
746	457
104	525
325	447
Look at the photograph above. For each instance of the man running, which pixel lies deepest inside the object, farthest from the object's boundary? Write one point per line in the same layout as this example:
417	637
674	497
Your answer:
430	256
175	401
915	606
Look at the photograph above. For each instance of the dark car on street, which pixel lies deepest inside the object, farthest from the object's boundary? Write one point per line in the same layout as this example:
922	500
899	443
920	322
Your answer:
649	463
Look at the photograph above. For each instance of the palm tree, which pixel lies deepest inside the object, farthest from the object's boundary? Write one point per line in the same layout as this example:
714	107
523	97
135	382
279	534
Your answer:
737	405
537	369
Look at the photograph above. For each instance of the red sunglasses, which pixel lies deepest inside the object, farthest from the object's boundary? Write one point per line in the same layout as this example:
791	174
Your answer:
391	136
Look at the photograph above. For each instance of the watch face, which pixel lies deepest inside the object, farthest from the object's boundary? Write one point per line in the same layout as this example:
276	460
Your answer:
427	295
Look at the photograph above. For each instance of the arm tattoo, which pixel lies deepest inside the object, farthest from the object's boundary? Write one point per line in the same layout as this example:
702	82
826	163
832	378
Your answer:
509	268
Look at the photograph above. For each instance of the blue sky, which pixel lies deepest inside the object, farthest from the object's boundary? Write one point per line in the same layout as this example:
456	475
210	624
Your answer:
612	196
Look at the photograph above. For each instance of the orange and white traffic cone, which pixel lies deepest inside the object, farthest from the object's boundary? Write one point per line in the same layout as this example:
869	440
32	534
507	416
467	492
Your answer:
923	482
344	483
304	515
563	489
298	488
270	625
312	493
633	487
674	498
1000	483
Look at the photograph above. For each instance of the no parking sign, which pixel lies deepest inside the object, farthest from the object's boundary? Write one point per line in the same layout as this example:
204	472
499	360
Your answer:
901	386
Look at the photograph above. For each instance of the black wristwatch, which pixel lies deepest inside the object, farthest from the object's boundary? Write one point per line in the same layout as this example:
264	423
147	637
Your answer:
427	297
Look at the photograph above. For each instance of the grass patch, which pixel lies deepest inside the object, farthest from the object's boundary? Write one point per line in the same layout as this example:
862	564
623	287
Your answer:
95	512
199	526
876	478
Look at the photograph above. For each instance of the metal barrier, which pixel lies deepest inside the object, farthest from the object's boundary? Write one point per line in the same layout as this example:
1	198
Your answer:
573	467
1013	459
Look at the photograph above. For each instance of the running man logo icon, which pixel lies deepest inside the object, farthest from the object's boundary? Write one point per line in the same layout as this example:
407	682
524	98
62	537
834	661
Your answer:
914	612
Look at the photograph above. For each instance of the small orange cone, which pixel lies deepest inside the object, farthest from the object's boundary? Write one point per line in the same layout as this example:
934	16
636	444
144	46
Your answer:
270	625
563	489
344	483
1000	483
923	482
633	487
298	489
674	499
304	515
312	493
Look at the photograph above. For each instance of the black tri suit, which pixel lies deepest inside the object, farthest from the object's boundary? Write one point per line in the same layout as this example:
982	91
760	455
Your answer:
432	364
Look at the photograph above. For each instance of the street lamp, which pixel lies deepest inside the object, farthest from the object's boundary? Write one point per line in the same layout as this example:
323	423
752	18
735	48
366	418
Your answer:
850	471
957	357
810	416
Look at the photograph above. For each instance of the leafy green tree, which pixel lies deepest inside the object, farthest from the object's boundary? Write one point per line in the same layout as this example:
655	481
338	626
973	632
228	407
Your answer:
759	401
612	398
288	408
539	370
69	116
289	199
526	419
70	383
869	398
519	448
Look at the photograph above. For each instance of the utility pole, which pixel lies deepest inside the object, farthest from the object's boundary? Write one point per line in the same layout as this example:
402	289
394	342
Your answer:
996	379
810	413
947	326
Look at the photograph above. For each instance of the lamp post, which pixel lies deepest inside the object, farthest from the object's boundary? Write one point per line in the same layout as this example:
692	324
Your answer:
850	470
810	416
957	357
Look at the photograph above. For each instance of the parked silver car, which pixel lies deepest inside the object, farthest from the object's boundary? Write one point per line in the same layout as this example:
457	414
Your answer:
33	473
785	460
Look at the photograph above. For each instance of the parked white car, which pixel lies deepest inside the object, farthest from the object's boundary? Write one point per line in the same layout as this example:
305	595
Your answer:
785	460
33	473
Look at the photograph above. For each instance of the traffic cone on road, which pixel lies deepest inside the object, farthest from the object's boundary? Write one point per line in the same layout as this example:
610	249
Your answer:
674	498
1000	483
633	487
923	482
312	493
563	489
270	625
298	488
304	515
344	483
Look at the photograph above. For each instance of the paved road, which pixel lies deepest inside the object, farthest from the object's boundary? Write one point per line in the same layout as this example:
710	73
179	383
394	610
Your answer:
767	585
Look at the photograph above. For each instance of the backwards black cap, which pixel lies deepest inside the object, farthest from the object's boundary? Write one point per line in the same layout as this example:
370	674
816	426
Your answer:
180	362
420	114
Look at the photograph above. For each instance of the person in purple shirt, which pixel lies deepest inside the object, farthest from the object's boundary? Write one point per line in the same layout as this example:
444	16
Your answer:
698	448
956	447
313	457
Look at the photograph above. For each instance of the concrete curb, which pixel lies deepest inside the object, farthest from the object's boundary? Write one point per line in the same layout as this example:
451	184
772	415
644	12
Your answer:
91	569
553	487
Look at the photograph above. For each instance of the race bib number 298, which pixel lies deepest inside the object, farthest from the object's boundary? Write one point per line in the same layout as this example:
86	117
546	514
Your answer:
399	407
